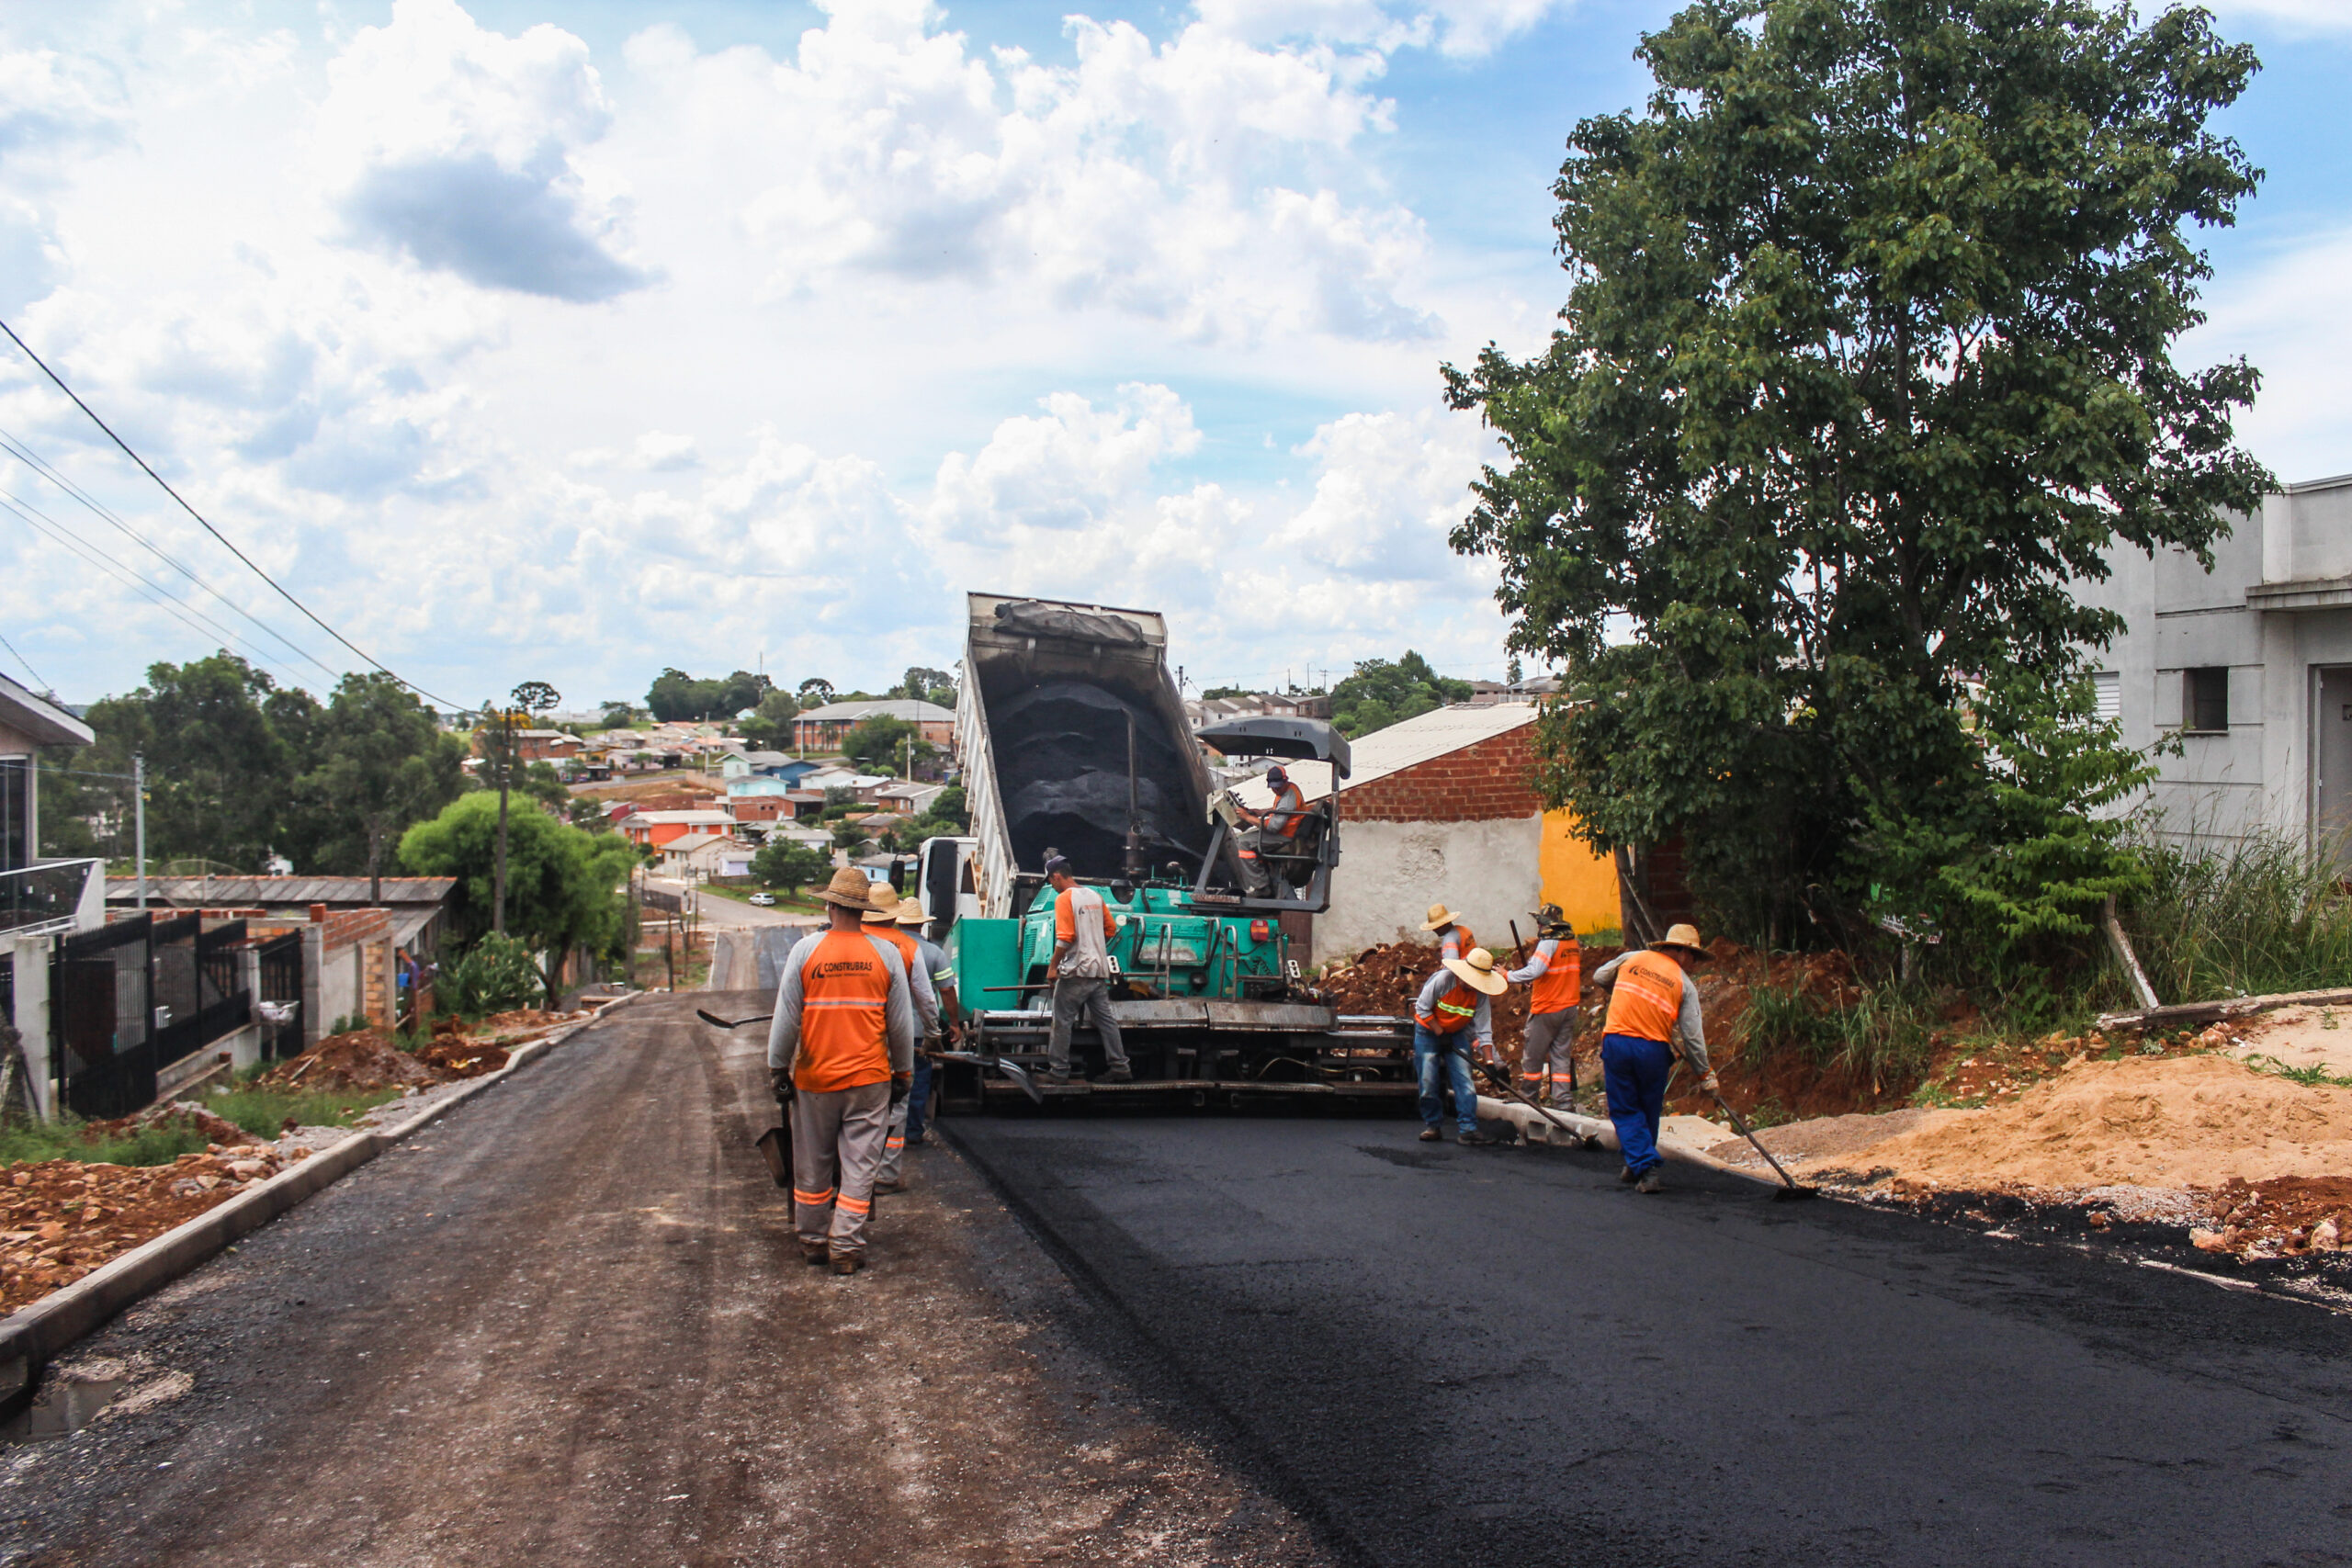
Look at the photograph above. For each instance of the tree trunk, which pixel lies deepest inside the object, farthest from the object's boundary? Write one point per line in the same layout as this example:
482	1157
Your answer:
1637	920
375	865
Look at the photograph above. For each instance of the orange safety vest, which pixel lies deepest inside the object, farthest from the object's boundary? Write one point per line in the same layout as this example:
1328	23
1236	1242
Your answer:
1291	804
1561	985
1456	1009
844	1005
1648	998
1455	941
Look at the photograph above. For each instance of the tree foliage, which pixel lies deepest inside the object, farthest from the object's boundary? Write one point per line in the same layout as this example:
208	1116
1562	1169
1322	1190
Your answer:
790	865
379	761
676	696
1865	356
563	884
1381	691
880	745
923	685
771	725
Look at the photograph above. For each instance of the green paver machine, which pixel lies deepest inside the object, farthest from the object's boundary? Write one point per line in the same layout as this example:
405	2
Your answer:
1073	741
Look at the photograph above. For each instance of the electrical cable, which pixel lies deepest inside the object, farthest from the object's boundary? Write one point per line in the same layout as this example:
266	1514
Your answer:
371	662
15	446
193	618
38	684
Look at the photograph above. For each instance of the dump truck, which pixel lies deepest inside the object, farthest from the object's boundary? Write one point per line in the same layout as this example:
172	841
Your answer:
1073	741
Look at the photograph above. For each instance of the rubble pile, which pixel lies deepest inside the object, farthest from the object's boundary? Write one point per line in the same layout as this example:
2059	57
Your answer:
2286	1216
1386	979
62	1218
185	1114
362	1058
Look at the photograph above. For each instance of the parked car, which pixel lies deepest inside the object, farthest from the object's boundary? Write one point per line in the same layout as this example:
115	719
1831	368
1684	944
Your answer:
763	899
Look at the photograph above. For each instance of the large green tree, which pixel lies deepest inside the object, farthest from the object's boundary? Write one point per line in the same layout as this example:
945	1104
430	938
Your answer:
1866	356
883	744
677	696
563	885
379	761
219	770
1381	691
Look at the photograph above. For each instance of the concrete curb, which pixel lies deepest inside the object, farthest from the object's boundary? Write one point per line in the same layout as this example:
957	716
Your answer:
1537	1128
33	1337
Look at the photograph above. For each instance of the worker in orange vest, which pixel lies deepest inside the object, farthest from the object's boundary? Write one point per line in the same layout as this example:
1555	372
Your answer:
883	920
1270	830
1454	939
1653	1009
1556	972
1081	971
1456	1000
841	1052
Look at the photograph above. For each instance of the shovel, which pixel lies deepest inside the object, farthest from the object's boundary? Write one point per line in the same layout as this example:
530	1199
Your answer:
716	1021
775	1147
1501	1079
1012	1070
1787	1194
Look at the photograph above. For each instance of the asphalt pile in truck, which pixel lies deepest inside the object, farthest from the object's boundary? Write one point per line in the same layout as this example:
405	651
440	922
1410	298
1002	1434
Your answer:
1061	751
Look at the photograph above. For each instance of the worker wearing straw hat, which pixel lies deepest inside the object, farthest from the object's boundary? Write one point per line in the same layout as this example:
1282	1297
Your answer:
1454	939
840	1050
1653	1009
930	968
1456	1000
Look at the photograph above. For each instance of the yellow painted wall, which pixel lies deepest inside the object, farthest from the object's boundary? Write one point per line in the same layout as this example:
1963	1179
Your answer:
1582	882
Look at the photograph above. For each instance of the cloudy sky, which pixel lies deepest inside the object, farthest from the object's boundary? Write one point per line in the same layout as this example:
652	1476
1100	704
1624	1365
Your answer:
531	340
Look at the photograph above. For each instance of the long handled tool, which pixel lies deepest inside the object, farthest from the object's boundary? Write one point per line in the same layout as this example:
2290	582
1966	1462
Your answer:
718	1022
1012	1070
1786	1194
1501	1077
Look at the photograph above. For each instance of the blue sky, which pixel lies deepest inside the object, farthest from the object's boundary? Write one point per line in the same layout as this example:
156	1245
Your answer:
568	341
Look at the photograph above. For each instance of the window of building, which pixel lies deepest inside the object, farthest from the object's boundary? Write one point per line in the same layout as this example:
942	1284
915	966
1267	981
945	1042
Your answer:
2205	700
16	846
2106	695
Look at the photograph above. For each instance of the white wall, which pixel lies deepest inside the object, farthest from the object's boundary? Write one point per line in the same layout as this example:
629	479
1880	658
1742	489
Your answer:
1390	873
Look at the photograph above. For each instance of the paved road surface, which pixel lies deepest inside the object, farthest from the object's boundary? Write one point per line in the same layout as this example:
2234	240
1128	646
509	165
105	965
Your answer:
1465	1357
568	1325
719	910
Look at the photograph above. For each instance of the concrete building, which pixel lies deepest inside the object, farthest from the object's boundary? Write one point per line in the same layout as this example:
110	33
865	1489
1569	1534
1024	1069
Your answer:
39	895
1442	808
658	829
2248	666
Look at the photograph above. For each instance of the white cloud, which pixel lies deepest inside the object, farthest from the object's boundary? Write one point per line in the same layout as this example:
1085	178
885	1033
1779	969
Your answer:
1462	29
2313	14
1067	470
2288	318
659	451
456	146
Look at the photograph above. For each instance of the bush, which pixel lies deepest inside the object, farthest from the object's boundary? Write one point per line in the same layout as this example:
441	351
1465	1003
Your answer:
790	865
2239	917
495	976
264	1113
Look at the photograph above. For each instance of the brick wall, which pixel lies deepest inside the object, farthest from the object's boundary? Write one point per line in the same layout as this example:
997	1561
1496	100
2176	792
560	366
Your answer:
345	927
1491	781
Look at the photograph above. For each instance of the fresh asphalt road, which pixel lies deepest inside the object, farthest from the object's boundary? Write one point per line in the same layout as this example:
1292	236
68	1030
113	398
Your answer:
1473	1355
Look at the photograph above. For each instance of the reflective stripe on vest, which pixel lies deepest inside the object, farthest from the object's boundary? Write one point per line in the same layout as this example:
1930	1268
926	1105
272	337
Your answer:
1558	987
845	995
1455	1011
1648	998
1456	940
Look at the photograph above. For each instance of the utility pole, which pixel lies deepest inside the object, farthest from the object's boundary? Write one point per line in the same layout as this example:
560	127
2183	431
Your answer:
139	820
531	696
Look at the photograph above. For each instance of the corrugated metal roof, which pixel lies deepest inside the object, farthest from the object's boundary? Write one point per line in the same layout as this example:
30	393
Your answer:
1398	748
907	708
240	892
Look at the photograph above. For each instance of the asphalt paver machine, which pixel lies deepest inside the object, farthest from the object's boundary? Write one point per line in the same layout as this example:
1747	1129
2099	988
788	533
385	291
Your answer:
1073	741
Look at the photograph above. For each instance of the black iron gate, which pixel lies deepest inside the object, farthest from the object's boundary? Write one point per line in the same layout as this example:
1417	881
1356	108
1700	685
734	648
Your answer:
199	995
102	1008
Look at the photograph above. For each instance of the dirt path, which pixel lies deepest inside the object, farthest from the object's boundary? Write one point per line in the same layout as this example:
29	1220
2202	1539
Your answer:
569	1325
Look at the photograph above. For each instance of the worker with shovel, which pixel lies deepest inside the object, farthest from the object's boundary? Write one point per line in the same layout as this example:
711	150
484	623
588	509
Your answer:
841	1050
1547	1061
1456	1000
1653	1009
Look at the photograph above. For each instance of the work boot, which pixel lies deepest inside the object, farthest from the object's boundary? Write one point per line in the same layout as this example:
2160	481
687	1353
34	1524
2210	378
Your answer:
1121	1073
815	1252
1058	1077
1430	1135
1474	1138
1626	1174
1649	1183
889	1187
848	1262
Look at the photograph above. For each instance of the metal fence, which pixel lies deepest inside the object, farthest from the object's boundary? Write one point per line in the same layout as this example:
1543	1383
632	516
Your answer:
101	999
199	995
278	1009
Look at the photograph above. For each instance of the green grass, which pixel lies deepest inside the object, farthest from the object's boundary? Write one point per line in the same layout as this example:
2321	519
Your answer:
264	1112
64	1140
783	900
1884	1036
2246	917
2316	1076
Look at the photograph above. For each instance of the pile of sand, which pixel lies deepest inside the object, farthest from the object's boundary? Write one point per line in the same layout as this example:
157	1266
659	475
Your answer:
2174	1123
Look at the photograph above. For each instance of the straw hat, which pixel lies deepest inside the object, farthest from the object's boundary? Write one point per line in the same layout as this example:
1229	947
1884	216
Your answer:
1477	972
882	905
910	912
848	889
1439	916
1684	937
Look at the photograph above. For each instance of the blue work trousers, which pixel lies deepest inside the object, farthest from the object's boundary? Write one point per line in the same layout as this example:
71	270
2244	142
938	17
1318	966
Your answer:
1435	1056
1635	1071
917	1097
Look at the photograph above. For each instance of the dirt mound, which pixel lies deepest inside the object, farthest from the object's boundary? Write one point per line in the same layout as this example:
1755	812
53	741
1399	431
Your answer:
2176	1122
62	1218
455	1056
1386	979
175	1113
364	1058
520	1023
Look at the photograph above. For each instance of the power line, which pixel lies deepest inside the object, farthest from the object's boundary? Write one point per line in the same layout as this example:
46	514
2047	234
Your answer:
194	619
38	684
368	661
17	447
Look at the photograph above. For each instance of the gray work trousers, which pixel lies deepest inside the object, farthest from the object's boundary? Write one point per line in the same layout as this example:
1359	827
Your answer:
894	1138
836	1147
1073	998
1550	1051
